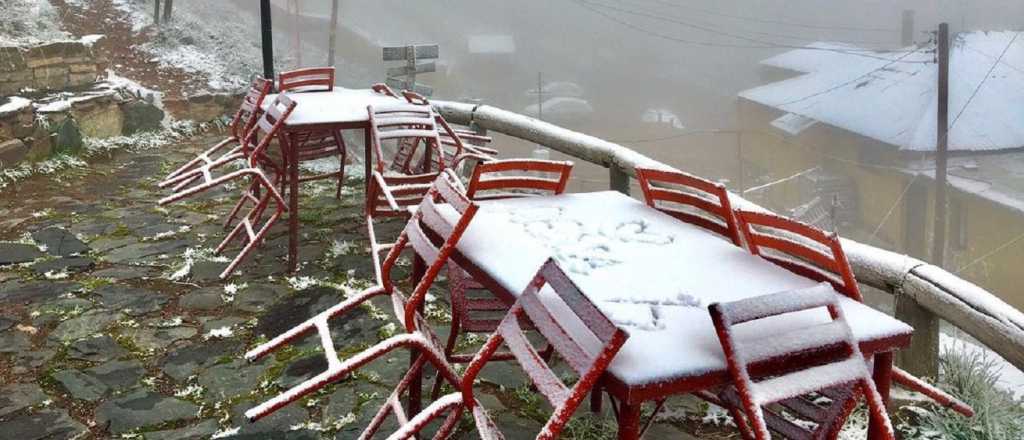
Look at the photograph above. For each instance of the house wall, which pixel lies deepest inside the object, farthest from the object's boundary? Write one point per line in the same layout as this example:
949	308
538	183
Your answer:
898	205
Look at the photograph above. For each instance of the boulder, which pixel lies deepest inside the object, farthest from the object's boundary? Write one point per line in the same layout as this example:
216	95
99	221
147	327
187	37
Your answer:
141	116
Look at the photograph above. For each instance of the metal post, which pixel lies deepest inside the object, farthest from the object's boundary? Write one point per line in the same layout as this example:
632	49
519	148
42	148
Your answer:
168	5
618	179
267	33
907	35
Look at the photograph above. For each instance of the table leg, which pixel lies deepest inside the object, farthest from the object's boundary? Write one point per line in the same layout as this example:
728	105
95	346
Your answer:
293	204
882	376
629	420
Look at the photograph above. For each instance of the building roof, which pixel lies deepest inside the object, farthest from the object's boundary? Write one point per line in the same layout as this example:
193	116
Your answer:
891	96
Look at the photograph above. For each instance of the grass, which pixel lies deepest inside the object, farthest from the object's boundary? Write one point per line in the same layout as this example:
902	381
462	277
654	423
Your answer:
973	377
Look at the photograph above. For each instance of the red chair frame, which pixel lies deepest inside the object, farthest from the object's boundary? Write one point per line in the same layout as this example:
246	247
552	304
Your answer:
307	79
589	363
704	195
797	249
241	123
838	370
487	177
432	238
451	138
262	191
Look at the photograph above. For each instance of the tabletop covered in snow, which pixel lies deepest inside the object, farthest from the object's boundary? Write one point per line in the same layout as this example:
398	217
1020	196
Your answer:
335	107
650	273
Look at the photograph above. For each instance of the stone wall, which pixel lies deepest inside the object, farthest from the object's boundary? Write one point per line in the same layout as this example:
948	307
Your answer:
203	107
52	66
21	137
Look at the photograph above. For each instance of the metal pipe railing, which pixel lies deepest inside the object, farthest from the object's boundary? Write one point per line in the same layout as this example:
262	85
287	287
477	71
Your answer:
967	306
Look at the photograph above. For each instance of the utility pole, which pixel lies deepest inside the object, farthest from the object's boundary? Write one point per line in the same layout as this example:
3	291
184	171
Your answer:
267	33
332	41
907	28
941	150
156	12
168	4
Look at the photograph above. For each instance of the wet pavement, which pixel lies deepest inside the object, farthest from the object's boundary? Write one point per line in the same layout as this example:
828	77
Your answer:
113	322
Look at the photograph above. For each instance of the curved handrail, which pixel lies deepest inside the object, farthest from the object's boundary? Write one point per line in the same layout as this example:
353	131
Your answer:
973	309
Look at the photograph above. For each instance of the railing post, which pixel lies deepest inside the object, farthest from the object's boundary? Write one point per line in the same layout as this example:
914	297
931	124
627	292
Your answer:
921	358
618	179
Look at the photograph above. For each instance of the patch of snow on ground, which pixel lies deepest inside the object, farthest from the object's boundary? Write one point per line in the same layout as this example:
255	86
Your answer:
29	22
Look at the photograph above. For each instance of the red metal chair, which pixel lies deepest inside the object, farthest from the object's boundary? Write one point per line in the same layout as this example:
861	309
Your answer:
261	192
799	248
306	80
822	359
391	194
431	233
383	89
242	122
804	250
476	314
566	319
691	199
459	144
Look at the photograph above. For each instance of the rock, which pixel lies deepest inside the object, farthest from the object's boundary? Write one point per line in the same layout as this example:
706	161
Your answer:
80	385
34	291
186	361
206	271
69	137
141	116
140	409
12	152
118	374
123	273
133	253
65	264
201	431
231	379
13	253
18	396
130	300
98	349
6	323
14	341
274	425
256	298
43	425
207	298
295	309
302	369
87	324
214	323
154	339
60	242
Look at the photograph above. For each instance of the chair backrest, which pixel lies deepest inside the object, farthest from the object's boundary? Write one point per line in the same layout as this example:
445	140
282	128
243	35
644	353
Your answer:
403	123
266	128
574	327
494	179
249	111
383	89
800	248
306	80
432	233
691	199
819	358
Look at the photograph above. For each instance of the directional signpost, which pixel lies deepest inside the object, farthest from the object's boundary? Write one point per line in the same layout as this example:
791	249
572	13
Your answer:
404	77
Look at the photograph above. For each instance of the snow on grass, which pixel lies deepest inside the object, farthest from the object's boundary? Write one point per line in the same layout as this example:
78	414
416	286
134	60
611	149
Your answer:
232	289
29	22
226	432
219	333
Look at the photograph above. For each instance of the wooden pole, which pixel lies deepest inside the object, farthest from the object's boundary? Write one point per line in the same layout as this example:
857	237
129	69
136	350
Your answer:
156	12
267	33
332	41
168	4
907	38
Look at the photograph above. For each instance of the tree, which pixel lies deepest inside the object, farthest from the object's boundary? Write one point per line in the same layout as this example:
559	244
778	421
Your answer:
168	4
156	12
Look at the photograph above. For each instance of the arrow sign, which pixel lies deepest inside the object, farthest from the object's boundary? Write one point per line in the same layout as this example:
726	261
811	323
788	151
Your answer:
409	70
419	52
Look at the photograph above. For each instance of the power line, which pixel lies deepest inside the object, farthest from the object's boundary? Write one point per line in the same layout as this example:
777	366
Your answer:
778	22
983	81
760	44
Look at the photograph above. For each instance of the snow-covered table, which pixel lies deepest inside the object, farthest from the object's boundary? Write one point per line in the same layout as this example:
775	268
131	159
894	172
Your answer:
655	277
339	109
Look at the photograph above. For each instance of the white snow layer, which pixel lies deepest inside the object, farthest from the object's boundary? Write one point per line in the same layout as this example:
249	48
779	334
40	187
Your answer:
656	288
891	96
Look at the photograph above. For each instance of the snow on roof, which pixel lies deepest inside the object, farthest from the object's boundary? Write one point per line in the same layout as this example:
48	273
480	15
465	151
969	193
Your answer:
891	96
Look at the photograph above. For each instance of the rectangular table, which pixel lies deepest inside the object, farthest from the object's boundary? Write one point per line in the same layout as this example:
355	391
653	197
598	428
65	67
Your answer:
339	109
654	276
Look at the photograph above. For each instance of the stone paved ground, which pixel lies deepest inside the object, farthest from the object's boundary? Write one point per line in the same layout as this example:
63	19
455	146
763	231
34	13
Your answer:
113	322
